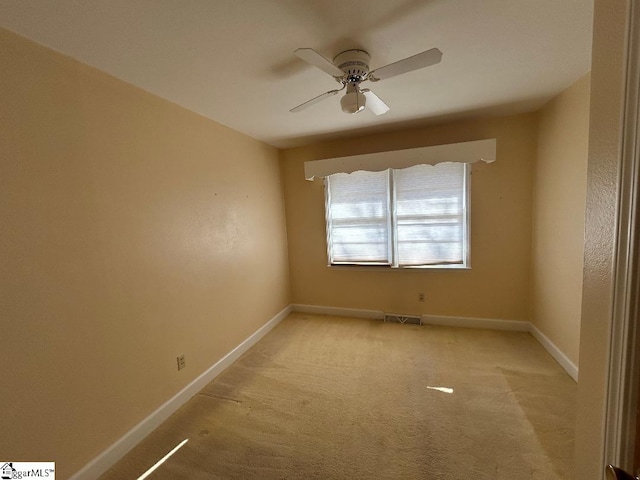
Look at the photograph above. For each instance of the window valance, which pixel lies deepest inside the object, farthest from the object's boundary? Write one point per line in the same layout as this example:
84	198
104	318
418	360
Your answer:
465	152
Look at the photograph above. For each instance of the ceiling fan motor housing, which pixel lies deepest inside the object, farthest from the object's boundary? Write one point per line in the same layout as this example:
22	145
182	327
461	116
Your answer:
354	64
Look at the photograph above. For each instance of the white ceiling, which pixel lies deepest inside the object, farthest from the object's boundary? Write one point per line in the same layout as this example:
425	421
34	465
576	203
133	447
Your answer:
232	60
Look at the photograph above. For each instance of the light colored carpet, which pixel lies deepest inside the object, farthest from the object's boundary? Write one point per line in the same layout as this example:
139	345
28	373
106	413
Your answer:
336	398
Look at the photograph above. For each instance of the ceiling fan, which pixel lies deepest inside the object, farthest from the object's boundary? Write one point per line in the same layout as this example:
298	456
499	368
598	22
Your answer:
351	67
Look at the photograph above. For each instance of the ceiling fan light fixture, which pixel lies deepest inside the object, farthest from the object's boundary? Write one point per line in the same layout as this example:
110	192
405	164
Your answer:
353	102
350	68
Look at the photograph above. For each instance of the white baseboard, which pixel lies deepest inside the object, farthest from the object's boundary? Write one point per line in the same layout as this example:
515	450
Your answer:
339	312
555	352
470	322
115	452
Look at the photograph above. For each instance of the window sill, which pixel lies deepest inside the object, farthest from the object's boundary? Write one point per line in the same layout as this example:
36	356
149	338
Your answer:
383	268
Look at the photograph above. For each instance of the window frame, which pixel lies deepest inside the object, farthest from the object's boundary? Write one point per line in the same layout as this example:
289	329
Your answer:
392	237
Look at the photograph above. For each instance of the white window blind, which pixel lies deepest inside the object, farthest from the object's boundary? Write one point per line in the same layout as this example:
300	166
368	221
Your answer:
430	214
358	218
404	218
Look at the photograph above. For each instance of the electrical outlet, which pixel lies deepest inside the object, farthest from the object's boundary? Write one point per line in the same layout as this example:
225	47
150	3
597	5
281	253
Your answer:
181	362
421	297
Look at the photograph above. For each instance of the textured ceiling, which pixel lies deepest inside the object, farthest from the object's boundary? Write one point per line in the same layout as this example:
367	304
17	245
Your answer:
232	60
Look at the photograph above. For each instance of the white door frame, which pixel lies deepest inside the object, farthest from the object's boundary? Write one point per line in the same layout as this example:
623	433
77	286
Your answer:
624	360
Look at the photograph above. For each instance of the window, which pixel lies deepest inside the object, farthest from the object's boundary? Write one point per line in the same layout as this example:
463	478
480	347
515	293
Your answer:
413	217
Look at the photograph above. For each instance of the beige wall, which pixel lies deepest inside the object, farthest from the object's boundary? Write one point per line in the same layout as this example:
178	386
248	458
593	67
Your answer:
501	194
131	231
560	186
605	134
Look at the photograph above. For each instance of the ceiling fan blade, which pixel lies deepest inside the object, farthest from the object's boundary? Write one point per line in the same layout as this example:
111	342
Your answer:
374	103
312	57
420	60
314	100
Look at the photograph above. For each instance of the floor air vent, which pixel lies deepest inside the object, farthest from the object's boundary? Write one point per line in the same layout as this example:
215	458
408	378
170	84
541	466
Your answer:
398	318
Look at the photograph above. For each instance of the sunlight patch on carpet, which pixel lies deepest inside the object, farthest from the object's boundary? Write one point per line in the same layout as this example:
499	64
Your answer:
442	389
162	460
